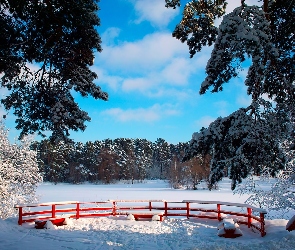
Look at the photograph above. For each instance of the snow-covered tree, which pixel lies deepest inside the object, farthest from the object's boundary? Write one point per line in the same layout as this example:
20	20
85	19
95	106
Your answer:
56	162
251	137
143	157
87	155
241	144
108	165
59	37
19	173
161	158
278	200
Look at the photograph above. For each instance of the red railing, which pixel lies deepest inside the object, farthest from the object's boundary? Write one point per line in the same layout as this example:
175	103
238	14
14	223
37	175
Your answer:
187	208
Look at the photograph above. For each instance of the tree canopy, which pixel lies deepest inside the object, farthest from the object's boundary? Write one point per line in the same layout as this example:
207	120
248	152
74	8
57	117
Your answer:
263	35
46	49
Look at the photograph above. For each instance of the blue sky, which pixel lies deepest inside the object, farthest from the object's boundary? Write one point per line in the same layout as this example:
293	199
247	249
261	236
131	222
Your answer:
152	83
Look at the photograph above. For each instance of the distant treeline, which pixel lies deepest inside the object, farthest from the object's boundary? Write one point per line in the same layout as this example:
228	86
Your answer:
109	161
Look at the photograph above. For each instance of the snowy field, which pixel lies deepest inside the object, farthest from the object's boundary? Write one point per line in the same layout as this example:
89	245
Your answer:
119	233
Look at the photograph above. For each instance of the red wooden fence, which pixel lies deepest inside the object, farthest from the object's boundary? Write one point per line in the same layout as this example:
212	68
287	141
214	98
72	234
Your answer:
187	208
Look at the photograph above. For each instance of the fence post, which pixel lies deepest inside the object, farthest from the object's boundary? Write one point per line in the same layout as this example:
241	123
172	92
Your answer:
77	211
218	212
20	215
150	205
263	233
114	208
249	210
187	210
53	211
166	208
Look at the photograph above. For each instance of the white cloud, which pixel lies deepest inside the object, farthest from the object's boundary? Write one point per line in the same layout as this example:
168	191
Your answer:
153	11
144	55
177	71
151	114
109	35
156	84
156	65
176	94
103	77
131	84
157	61
204	121
153	85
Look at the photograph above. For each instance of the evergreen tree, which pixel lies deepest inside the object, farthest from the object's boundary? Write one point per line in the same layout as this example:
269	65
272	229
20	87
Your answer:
44	149
161	158
143	157
250	138
75	171
59	38
58	165
241	145
89	159
108	165
125	151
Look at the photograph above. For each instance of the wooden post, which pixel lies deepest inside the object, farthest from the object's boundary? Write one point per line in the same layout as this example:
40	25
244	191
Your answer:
218	212
77	211
53	211
263	233
20	215
249	210
114	208
150	205
187	210
166	208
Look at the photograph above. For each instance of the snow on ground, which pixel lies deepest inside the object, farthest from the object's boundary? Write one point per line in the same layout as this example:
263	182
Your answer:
148	190
119	233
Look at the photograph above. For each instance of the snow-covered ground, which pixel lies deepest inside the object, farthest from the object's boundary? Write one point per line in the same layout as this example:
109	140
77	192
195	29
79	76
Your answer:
120	233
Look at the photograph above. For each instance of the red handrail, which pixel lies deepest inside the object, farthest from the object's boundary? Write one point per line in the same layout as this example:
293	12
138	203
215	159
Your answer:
190	208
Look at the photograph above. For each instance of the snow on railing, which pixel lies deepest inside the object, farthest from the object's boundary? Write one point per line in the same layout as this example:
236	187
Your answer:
187	208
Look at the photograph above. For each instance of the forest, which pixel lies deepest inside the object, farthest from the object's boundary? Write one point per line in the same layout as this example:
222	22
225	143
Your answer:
108	161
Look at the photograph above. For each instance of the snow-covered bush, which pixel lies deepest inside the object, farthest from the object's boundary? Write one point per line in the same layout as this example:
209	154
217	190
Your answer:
279	199
19	173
